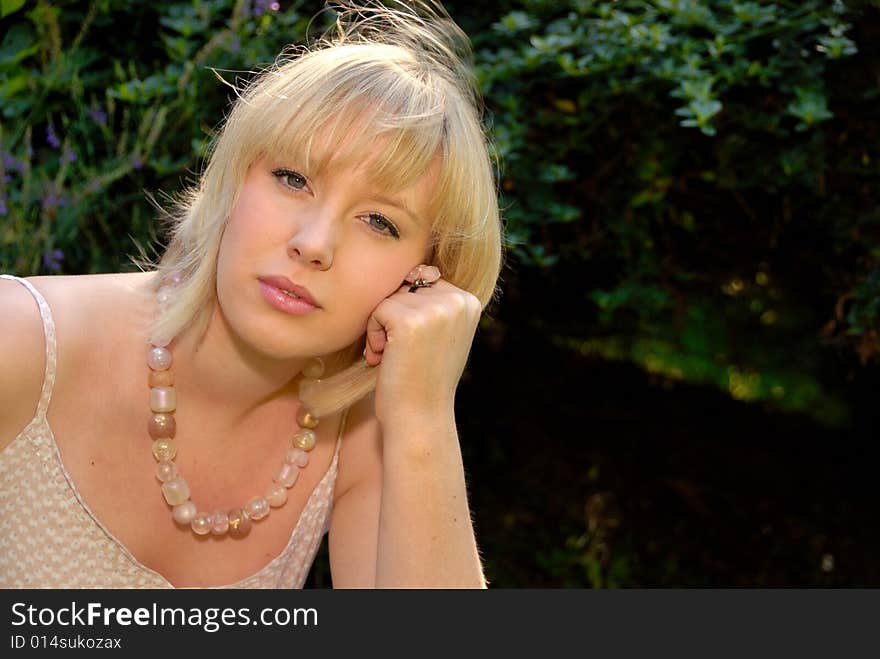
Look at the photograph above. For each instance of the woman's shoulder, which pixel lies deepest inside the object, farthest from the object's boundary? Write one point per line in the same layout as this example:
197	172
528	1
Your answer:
78	306
23	355
60	288
85	308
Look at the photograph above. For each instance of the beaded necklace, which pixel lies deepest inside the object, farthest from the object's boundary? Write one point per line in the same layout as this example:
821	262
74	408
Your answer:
162	428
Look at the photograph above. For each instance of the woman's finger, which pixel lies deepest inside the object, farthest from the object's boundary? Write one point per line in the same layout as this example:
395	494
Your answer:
372	358
376	339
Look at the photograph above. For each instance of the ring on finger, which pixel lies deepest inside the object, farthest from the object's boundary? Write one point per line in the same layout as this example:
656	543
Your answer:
422	276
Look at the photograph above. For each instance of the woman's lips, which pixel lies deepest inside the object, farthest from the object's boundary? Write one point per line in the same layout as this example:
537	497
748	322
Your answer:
273	290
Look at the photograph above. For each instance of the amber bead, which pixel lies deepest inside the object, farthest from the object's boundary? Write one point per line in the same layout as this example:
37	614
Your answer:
305	439
314	368
239	523
161	378
164	450
306	419
162	426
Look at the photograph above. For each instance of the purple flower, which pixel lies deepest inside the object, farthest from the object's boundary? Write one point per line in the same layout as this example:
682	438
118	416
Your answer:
51	137
10	162
136	161
69	155
3	205
52	260
235	45
51	200
262	6
98	116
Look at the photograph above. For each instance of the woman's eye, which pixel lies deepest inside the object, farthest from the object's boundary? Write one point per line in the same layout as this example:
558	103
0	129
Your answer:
291	178
382	224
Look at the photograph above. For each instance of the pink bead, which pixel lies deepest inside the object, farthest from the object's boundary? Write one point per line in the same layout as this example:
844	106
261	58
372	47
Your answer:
159	359
165	295
166	470
287	475
163	399
172	279
219	523
257	508
201	524
298	457
176	491
276	495
184	513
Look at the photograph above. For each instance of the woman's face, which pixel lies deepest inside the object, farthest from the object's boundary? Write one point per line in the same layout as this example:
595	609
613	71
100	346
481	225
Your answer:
347	243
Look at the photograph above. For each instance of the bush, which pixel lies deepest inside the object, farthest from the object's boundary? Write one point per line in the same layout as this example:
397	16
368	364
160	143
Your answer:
91	121
698	181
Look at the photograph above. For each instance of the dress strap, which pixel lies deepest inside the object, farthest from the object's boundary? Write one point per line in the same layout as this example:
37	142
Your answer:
333	470
341	432
51	347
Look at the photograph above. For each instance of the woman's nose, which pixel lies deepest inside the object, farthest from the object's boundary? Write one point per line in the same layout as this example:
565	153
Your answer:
313	241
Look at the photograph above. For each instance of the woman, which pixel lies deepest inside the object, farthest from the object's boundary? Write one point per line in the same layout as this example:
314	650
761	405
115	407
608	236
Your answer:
289	367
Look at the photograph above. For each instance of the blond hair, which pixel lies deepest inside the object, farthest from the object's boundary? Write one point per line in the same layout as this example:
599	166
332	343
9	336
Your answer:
402	74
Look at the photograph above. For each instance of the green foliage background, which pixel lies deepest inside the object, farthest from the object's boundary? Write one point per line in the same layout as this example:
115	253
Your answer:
705	171
697	181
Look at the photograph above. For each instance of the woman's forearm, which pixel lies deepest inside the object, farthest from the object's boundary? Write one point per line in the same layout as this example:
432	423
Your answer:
426	538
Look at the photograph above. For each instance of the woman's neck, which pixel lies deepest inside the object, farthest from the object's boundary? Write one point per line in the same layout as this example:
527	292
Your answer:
227	372
214	369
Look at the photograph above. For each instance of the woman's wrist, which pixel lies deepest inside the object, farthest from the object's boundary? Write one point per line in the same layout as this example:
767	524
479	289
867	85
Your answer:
422	435
423	412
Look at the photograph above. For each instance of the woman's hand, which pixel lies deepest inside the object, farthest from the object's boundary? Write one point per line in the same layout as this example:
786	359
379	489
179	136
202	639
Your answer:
422	340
